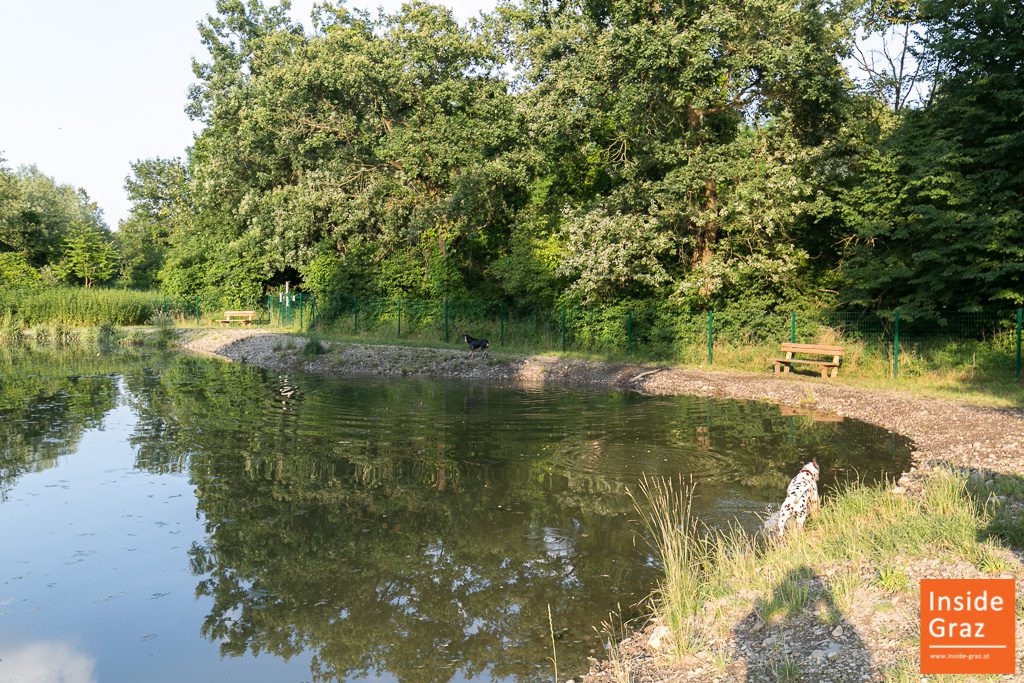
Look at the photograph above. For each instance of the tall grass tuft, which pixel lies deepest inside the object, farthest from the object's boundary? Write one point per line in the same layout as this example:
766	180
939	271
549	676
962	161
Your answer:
685	552
164	325
859	526
619	664
313	347
554	650
11	332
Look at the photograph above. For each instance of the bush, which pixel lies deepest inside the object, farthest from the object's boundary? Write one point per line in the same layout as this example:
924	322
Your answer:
313	347
15	271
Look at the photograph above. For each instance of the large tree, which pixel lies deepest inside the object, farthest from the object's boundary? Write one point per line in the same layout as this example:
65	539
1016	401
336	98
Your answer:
37	213
938	213
158	189
89	255
380	146
678	138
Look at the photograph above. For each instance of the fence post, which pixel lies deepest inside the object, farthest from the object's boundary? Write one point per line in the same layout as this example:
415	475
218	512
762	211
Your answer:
501	341
792	327
446	320
1020	315
301	300
629	331
355	316
711	332
399	316
563	327
896	347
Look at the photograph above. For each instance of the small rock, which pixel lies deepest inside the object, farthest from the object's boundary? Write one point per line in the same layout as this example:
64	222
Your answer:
899	490
658	638
838	631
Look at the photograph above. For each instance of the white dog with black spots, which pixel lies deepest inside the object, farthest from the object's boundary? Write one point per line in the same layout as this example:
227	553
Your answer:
801	501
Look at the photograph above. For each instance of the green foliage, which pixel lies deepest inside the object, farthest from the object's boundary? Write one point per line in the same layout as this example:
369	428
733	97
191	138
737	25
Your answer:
37	214
938	212
11	332
700	154
89	256
313	347
16	272
158	191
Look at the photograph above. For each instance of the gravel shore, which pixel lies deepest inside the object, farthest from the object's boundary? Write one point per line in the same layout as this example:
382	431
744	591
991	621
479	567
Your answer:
944	433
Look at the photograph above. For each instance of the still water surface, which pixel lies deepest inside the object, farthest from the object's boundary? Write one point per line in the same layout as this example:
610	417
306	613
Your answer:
168	518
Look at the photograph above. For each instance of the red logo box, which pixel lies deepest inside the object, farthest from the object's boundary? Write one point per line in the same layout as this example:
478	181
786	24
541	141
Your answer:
968	626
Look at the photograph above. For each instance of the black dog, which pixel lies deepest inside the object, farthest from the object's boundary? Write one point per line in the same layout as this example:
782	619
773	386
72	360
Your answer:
475	344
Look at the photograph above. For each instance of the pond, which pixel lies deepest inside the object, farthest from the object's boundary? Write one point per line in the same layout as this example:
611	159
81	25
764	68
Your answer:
170	518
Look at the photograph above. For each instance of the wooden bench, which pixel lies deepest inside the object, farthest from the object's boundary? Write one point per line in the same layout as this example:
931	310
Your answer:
244	317
783	365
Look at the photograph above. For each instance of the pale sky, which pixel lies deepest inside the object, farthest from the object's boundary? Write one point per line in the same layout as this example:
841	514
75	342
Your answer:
87	87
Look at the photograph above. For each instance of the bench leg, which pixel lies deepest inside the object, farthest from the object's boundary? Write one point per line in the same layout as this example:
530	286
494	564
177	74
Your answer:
835	372
786	369
778	368
824	372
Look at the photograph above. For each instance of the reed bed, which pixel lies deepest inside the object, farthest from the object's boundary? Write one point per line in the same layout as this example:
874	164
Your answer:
80	307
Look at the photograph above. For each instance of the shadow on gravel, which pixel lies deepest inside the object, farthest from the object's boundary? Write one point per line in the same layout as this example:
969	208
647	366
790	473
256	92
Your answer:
800	634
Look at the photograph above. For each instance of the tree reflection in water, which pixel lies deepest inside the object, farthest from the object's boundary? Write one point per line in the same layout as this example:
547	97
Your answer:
421	528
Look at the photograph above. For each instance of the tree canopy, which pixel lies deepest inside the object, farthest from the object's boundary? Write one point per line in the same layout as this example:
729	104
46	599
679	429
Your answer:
37	216
694	154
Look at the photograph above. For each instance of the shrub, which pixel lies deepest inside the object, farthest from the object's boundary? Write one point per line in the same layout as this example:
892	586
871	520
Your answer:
313	347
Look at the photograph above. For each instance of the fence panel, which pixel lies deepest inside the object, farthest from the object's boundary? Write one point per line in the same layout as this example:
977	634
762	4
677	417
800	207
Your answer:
880	343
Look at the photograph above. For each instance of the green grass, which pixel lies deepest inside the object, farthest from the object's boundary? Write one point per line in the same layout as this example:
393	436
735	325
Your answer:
785	669
11	331
667	518
963	370
893	579
791	596
859	526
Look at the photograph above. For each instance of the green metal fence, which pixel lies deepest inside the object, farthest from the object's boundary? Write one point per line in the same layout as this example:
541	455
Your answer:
986	340
295	310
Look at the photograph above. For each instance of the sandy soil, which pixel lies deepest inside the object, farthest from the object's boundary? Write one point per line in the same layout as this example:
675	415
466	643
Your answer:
875	634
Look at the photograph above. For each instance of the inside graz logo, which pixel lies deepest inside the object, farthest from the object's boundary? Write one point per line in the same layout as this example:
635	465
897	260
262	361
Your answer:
968	626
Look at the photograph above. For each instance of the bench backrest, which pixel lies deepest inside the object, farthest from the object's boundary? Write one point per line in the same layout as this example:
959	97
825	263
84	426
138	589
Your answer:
820	349
239	314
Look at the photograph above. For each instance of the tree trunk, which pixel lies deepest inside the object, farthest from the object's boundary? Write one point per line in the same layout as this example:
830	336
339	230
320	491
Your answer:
708	235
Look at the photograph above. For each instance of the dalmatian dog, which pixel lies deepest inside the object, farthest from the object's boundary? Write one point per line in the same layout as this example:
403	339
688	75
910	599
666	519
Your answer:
801	500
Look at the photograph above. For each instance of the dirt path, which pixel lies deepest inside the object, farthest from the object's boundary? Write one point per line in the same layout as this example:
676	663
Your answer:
944	433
